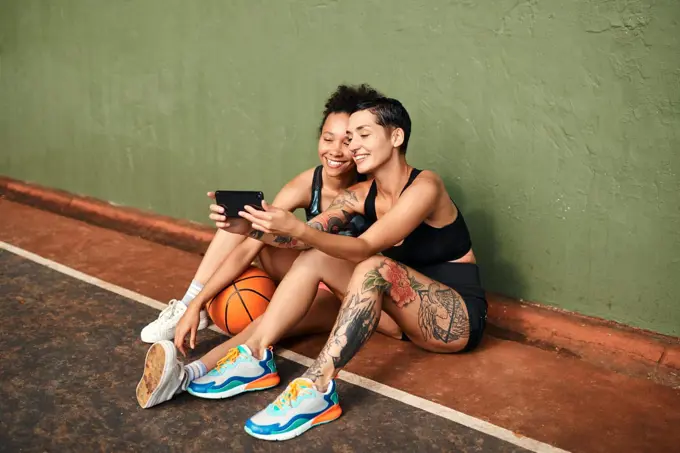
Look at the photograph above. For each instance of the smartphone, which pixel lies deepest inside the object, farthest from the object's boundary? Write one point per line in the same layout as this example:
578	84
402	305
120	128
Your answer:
234	201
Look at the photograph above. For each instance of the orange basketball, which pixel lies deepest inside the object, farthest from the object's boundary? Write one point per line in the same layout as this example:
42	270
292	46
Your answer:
233	308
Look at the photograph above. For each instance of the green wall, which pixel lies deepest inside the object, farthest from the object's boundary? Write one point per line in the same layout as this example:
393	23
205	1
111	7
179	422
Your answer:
556	124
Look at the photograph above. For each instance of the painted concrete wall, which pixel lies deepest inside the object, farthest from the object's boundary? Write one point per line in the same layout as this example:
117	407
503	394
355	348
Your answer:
555	124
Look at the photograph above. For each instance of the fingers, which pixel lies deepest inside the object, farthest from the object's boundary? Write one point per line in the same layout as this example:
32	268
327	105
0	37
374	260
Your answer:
255	226
257	213
250	218
218	217
253	218
179	344
192	339
255	223
216	209
220	223
211	195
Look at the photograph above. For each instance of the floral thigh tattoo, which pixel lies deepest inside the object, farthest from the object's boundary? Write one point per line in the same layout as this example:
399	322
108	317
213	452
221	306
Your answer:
440	316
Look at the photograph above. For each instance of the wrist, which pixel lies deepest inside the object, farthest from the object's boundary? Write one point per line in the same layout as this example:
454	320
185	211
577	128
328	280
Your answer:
300	229
195	305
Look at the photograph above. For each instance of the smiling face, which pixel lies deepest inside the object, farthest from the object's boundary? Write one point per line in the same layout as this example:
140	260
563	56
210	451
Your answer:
371	144
333	150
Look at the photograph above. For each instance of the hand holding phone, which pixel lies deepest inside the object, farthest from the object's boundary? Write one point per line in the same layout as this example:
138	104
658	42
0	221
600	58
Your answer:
224	212
234	201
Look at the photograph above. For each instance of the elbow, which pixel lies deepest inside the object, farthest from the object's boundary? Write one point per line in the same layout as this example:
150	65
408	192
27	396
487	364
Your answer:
356	259
361	254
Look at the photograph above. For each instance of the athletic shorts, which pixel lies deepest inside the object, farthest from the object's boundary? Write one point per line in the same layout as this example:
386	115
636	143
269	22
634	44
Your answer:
465	280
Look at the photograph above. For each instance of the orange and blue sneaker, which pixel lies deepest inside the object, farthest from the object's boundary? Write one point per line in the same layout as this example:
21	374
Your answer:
300	407
237	372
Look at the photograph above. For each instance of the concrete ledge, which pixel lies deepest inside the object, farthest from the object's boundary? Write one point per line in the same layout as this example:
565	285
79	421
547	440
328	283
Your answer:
605	343
189	236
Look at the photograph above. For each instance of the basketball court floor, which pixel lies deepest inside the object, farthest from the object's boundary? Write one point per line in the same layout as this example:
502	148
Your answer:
77	359
71	358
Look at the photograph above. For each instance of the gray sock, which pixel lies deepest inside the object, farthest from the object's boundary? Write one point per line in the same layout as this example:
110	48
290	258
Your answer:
195	370
192	292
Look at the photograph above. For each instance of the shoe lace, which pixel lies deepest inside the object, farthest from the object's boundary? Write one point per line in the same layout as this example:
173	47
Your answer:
169	311
231	357
294	389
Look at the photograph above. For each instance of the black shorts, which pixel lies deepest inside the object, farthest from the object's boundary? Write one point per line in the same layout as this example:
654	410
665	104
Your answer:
465	280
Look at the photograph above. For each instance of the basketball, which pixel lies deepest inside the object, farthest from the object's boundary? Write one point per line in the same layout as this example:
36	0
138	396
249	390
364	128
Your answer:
237	305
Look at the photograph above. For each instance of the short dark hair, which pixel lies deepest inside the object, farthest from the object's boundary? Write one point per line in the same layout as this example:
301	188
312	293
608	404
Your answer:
346	98
389	113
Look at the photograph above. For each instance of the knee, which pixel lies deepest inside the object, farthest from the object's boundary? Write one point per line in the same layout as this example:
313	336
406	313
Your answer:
372	263
267	261
369	268
264	257
313	259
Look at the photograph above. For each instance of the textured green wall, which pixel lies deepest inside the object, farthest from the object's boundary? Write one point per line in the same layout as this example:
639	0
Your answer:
555	123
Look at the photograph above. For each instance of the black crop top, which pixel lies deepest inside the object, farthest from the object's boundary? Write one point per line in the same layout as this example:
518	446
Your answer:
357	225
426	245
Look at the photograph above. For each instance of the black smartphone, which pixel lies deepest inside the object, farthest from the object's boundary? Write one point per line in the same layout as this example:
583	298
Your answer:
234	201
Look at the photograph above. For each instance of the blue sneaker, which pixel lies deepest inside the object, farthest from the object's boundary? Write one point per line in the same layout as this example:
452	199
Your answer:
300	407
236	373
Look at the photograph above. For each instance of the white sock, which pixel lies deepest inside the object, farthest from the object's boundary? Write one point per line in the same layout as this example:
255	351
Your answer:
195	370
192	292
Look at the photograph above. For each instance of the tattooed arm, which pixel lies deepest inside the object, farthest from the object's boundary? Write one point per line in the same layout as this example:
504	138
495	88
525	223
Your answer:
414	206
332	220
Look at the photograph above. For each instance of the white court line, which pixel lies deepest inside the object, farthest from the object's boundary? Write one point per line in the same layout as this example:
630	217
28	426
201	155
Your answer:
377	387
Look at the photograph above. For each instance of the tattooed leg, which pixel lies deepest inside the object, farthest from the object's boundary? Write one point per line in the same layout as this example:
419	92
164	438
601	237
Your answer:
416	300
357	320
441	311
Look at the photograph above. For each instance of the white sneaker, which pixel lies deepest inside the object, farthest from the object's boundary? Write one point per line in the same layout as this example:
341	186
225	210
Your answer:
299	408
164	376
237	372
163	328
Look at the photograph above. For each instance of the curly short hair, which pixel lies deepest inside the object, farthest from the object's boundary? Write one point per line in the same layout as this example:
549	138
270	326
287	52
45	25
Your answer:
346	98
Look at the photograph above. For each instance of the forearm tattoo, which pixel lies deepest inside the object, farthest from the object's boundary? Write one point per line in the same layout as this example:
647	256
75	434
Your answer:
287	242
338	214
328	222
278	241
331	222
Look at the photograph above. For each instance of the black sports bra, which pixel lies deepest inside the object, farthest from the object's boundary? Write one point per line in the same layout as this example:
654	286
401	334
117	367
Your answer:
357	225
426	245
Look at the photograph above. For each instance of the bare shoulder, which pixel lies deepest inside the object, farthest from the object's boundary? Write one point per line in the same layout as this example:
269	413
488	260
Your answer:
430	181
297	192
429	175
432	186
361	189
302	180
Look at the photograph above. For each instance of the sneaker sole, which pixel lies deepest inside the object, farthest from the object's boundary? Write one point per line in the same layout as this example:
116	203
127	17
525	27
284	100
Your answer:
331	414
154	367
263	383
